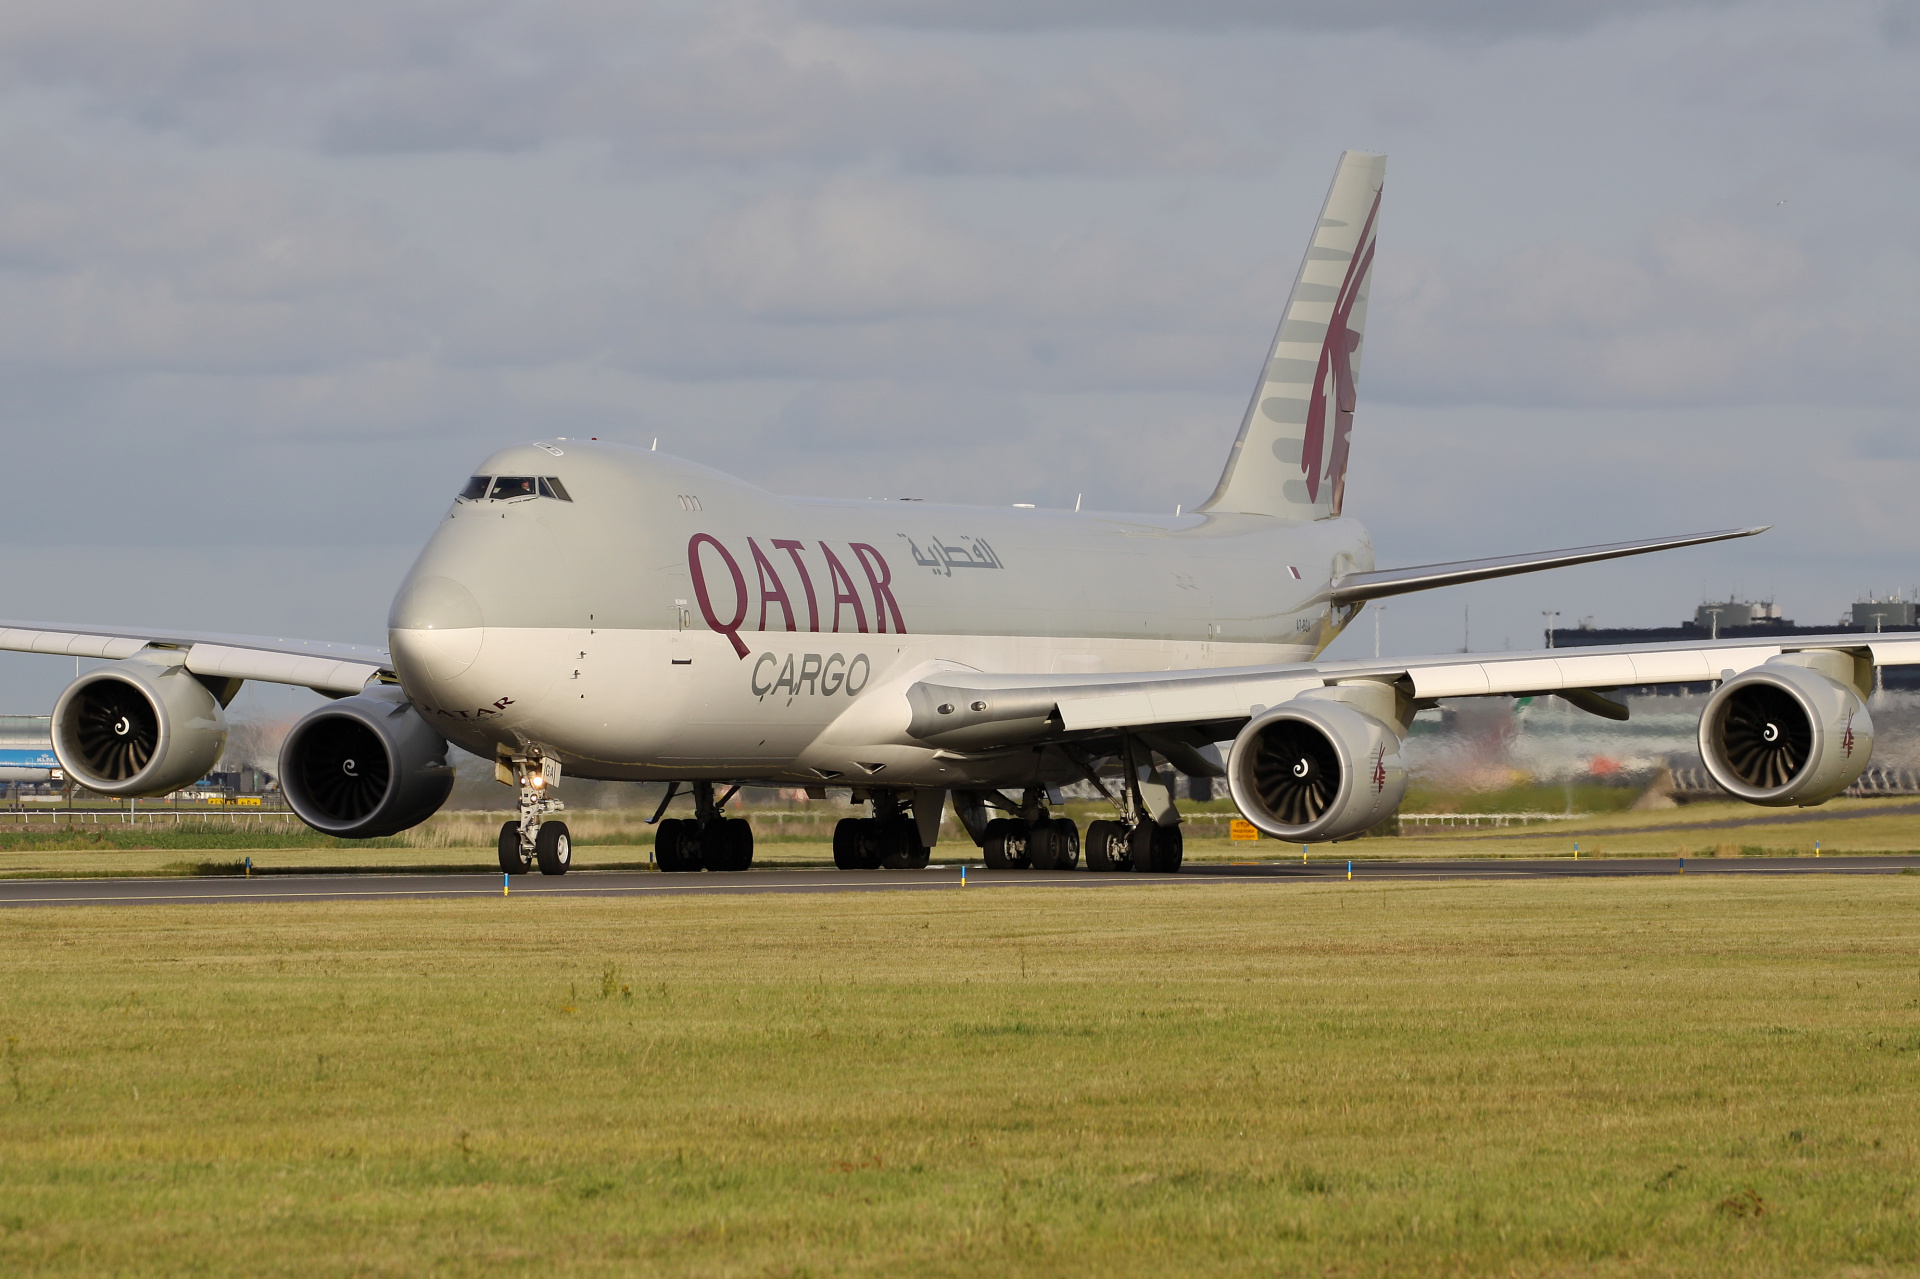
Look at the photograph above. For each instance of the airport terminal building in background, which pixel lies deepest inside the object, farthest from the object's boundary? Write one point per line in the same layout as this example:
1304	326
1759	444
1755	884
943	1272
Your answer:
1758	619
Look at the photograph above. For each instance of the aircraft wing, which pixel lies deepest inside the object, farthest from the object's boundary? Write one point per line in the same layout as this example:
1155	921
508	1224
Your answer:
1354	588
316	664
966	712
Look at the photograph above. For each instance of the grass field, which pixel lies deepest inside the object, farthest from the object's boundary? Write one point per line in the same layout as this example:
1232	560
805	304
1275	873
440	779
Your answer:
1672	1076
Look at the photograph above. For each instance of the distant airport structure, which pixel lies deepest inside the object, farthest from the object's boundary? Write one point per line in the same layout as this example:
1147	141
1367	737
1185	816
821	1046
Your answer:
1761	619
1758	619
26	750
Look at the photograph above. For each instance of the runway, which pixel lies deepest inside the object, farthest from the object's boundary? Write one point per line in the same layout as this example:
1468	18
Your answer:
390	887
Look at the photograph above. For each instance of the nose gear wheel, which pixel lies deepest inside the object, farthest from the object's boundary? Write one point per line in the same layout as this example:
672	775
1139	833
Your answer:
553	848
513	859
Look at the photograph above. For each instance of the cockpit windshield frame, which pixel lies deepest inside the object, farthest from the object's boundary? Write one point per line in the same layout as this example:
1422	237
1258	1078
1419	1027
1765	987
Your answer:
510	488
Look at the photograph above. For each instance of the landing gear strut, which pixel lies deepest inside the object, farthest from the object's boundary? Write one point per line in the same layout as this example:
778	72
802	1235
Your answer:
527	840
705	841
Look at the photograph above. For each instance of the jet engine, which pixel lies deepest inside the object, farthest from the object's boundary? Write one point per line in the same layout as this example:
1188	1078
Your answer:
365	766
1793	730
138	727
1323	766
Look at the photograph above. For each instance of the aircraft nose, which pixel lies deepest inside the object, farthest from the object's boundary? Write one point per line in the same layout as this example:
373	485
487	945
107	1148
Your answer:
435	626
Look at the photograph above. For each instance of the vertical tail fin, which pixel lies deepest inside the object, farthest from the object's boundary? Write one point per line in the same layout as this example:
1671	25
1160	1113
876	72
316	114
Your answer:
1291	457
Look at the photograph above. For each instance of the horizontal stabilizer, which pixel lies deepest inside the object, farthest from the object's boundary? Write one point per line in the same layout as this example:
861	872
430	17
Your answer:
1356	588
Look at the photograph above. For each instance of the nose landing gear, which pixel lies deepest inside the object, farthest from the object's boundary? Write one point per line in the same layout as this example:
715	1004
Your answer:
528	840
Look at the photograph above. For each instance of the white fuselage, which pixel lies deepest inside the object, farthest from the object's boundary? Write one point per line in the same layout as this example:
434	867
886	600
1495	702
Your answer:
669	621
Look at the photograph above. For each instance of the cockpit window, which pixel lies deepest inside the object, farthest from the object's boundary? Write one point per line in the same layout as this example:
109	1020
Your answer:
500	488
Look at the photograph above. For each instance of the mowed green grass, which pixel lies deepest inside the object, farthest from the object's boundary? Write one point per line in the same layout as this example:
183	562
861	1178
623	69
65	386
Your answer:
1668	1076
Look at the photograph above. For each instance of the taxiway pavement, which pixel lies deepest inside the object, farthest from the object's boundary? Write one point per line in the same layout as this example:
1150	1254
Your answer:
938	878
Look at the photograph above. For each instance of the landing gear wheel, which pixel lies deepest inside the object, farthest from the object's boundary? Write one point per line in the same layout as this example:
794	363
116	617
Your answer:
1140	847
1107	847
512	860
1169	849
742	845
553	848
1005	847
1040	845
727	845
676	846
1159	849
1053	844
1066	844
856	845
900	846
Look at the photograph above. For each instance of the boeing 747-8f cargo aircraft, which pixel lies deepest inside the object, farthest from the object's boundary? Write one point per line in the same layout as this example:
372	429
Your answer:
688	627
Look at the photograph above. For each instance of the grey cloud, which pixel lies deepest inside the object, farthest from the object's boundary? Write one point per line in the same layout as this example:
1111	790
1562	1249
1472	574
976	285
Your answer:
1697	312
1481	18
862	250
723	84
855	416
1887	441
111	264
853	250
1900	22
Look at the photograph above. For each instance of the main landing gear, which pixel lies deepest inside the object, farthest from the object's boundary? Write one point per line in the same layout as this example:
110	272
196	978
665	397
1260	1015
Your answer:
1030	838
1035	839
705	841
1146	847
1138	840
889	840
528	840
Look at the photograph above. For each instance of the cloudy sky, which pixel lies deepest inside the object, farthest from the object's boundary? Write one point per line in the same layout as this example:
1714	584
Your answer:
273	277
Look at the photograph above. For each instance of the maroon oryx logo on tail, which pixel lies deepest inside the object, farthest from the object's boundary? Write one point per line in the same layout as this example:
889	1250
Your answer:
1336	362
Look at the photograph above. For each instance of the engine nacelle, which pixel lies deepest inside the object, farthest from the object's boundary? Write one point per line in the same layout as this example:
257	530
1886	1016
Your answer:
1793	730
1323	766
365	766
138	727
